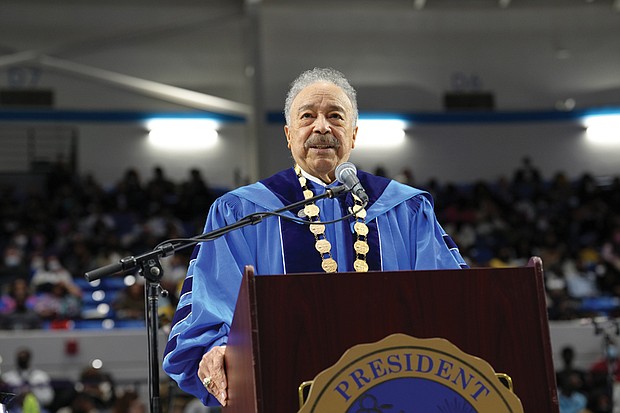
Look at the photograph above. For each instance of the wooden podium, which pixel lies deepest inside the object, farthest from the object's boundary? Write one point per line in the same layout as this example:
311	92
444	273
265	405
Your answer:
287	329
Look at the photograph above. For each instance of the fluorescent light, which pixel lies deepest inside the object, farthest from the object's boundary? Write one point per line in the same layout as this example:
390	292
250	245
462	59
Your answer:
182	134
504	3
419	4
380	133
603	129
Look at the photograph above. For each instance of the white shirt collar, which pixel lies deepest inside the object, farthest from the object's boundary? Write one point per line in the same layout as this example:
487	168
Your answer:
313	178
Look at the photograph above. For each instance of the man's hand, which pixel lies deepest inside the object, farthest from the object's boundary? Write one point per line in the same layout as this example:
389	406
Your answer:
212	373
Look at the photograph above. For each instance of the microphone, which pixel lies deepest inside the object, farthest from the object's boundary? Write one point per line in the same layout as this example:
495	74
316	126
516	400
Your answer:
347	174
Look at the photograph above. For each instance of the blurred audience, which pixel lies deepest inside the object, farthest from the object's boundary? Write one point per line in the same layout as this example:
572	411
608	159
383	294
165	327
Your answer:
74	225
51	235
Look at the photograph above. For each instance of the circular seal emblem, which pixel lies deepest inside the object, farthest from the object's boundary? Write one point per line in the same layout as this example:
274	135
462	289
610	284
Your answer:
403	374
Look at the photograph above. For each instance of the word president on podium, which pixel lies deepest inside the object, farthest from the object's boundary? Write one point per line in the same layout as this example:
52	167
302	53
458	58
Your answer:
391	227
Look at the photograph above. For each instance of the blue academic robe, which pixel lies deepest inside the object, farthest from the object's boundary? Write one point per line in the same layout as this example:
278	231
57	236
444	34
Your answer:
404	235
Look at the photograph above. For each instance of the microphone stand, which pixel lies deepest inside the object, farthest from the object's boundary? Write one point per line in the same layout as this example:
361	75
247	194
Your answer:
150	268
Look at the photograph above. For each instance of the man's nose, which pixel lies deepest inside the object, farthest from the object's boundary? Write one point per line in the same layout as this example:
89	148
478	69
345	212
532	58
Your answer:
321	125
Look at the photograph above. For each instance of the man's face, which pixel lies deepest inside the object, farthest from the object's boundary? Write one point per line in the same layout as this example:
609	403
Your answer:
321	132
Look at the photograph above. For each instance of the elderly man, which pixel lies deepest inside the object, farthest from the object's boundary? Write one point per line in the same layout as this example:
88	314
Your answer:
396	230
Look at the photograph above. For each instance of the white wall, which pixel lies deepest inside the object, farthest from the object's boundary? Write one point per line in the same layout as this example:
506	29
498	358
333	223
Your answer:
467	152
107	150
448	152
456	152
459	152
464	153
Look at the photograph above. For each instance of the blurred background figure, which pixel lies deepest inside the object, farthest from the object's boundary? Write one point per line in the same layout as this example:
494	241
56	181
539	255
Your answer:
568	368
14	264
129	402
96	392
129	304
24	380
60	304
571	399
17	308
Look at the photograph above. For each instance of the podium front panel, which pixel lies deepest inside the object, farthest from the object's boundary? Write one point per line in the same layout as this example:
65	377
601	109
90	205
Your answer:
302	324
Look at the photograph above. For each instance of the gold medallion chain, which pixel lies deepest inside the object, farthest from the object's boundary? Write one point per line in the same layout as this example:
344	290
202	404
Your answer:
322	245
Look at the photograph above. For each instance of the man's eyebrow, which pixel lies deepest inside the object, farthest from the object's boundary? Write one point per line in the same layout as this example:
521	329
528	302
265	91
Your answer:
311	106
303	108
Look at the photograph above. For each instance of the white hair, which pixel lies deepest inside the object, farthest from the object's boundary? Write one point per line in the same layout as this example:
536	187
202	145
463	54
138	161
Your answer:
316	75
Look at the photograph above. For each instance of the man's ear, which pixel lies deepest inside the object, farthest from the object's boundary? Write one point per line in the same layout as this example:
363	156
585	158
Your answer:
288	136
354	137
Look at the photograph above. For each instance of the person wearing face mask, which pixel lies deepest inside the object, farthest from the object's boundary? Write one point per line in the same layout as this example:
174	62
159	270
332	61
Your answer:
14	264
25	380
396	230
49	271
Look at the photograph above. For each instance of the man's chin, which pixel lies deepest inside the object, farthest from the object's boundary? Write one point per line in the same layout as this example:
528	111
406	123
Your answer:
321	167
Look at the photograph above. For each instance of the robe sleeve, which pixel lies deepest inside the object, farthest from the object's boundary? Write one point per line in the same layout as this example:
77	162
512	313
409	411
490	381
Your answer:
208	298
431	247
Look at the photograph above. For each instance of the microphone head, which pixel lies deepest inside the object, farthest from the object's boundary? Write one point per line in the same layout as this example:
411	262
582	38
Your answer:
347	174
343	169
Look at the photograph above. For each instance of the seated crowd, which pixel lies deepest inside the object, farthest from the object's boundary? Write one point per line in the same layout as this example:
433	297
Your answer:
32	390
53	234
50	236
